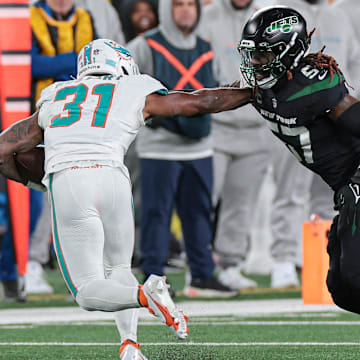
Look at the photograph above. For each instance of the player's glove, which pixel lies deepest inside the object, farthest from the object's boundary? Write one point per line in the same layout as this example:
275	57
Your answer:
35	186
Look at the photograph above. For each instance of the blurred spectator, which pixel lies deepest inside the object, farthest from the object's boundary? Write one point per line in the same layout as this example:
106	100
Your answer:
352	9
293	180
107	22
176	154
240	153
138	16
39	250
143	17
59	31
287	213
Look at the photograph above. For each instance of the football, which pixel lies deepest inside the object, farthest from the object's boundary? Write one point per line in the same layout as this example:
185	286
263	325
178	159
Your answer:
30	164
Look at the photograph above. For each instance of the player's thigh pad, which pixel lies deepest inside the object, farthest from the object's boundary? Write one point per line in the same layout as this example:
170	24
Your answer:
348	233
82	200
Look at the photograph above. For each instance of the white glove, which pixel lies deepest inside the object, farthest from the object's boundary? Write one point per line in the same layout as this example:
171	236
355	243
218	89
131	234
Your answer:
35	186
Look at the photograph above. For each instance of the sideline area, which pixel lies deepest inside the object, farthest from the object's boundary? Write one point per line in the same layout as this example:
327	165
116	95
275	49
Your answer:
191	308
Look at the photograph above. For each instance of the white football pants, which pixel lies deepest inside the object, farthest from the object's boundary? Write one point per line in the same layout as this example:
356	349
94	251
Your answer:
93	230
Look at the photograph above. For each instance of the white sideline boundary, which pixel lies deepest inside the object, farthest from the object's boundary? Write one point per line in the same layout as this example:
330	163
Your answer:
186	344
191	308
192	323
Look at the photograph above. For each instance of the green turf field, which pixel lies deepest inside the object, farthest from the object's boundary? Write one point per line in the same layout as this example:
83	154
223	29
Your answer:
60	296
310	336
284	335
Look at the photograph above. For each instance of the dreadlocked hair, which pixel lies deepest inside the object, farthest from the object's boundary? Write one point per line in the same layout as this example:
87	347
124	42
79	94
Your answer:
320	61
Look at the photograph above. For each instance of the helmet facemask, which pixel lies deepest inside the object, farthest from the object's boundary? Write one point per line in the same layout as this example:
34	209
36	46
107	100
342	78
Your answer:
274	41
260	66
263	65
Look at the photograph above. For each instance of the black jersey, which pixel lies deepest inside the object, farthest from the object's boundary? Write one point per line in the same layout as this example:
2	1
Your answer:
296	113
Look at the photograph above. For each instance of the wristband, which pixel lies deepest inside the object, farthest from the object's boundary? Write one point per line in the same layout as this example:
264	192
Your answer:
35	186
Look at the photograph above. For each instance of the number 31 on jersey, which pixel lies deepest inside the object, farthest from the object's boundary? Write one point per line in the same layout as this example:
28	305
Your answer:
73	108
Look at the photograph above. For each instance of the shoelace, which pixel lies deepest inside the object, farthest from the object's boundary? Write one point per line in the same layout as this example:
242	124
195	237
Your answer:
180	323
163	284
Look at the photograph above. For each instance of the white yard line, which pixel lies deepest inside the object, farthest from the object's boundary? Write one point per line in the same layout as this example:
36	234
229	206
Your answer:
264	323
266	316
191	308
274	323
15	327
185	344
195	323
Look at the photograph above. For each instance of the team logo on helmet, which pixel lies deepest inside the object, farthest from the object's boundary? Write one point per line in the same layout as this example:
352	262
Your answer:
284	25
121	52
104	56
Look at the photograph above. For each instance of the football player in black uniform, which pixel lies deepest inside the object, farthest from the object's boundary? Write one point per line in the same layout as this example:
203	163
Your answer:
306	104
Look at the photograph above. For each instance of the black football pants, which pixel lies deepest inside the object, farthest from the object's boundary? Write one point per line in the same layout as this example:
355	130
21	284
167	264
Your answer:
343	278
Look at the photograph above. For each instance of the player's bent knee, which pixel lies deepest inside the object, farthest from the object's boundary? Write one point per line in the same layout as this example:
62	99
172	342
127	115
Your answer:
86	296
89	298
85	303
90	303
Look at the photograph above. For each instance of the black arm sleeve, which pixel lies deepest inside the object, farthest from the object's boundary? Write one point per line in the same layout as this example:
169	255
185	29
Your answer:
350	119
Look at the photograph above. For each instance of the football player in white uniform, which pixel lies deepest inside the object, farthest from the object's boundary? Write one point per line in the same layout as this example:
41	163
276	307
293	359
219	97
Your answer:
88	124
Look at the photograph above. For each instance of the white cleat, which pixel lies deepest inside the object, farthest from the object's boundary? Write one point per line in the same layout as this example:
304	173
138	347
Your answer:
35	282
162	306
131	351
232	278
180	324
284	275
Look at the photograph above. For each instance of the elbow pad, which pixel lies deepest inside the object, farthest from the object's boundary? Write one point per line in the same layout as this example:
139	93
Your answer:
350	119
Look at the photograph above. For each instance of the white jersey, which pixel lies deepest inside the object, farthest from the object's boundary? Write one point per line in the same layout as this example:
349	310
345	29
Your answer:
93	119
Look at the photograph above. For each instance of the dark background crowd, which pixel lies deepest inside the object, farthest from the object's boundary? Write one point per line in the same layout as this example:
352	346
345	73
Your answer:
221	197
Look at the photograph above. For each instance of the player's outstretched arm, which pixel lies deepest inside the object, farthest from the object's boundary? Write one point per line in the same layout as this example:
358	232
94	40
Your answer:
198	102
20	137
347	114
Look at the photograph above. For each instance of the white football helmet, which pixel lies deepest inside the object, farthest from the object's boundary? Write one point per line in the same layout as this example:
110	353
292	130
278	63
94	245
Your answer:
103	56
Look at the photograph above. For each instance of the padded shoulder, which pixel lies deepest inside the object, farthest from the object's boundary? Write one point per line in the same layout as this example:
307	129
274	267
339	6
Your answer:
310	80
315	91
146	85
46	95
